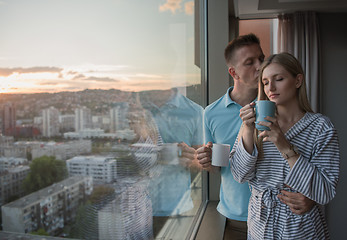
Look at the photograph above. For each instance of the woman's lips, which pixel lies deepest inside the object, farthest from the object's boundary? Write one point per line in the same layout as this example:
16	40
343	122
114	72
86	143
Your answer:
273	95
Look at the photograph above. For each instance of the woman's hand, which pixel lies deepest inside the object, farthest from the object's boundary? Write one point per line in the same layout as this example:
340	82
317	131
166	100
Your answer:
247	114
275	134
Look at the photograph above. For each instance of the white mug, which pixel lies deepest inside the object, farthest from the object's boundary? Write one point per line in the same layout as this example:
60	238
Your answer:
220	154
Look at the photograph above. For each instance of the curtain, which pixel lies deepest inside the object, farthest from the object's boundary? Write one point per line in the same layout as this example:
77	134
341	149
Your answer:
298	34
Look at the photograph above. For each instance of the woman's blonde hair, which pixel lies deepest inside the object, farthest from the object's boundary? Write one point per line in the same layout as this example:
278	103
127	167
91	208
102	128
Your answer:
293	66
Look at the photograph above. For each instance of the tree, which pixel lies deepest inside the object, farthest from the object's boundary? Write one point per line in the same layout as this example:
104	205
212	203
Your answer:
44	171
40	232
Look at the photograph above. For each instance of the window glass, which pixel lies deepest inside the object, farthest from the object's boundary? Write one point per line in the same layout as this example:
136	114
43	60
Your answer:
100	104
265	29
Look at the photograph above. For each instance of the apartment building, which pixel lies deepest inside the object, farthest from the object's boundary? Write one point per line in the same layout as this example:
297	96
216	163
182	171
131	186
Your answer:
62	151
50	208
101	169
83	118
50	122
11	181
8	116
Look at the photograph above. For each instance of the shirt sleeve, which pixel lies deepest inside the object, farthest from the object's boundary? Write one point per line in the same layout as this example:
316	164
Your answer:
198	138
317	178
243	163
207	130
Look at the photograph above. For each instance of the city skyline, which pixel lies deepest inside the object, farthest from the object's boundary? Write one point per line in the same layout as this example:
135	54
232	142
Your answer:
51	46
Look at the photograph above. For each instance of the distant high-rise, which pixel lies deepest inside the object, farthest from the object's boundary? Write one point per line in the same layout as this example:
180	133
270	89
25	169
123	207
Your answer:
8	115
83	118
118	116
67	122
50	122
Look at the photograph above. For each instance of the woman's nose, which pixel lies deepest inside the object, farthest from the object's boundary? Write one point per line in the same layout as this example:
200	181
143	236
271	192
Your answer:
272	86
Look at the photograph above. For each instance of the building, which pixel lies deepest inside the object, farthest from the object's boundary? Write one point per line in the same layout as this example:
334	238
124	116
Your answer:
62	150
11	181
67	122
83	118
89	133
8	116
5	141
10	162
102	122
101	169
118	116
15	150
50	122
23	236
50	208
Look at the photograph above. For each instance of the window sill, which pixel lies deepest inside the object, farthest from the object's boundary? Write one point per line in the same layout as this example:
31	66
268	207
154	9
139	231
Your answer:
212	225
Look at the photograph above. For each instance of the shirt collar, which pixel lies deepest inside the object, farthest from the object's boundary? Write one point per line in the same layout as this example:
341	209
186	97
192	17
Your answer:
174	99
227	98
172	102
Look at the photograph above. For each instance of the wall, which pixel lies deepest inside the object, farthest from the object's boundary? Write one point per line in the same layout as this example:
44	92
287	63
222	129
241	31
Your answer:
333	31
218	76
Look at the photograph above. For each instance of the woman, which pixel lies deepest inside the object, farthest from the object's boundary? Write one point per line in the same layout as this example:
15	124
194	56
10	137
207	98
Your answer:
300	153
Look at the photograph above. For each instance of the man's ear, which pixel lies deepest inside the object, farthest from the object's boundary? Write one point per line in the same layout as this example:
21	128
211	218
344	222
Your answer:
298	80
232	72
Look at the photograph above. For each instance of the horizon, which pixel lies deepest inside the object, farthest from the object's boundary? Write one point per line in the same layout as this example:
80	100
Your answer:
55	46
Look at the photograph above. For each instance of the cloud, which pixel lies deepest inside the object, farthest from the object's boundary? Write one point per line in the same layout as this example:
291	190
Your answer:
143	75
49	83
101	79
171	5
82	77
189	8
79	76
5	72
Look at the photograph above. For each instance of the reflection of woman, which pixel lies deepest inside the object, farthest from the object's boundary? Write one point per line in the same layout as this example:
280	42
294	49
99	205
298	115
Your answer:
129	214
300	153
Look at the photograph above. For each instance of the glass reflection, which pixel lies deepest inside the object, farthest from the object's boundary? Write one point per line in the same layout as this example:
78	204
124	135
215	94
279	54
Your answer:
98	142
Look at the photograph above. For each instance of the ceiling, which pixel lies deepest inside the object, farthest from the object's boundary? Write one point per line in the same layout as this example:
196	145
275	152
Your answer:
250	9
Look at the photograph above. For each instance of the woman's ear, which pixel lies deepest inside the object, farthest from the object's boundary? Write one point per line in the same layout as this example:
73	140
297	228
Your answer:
298	80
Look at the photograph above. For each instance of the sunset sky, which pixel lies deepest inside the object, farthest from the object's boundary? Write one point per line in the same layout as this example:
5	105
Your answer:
70	45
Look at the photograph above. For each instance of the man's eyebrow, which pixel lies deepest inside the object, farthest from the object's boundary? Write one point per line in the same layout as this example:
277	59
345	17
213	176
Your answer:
249	58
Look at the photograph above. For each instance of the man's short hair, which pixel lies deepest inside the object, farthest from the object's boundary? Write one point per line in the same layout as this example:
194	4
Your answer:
240	41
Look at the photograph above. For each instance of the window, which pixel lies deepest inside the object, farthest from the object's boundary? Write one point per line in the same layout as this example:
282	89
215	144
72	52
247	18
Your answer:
265	29
87	85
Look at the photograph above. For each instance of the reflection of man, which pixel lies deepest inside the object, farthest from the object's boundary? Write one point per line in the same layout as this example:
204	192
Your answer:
179	120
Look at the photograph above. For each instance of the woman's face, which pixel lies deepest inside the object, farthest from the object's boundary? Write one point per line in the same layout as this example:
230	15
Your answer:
279	85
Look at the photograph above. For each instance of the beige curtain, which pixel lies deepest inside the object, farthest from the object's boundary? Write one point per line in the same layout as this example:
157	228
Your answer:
298	34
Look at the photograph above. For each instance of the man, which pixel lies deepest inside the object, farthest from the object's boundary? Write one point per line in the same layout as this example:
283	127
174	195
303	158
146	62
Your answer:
221	125
179	121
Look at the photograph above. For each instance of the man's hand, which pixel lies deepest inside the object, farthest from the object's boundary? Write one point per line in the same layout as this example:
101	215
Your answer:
204	155
298	203
187	156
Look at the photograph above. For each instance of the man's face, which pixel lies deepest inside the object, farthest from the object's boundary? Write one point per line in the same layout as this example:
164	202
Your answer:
246	64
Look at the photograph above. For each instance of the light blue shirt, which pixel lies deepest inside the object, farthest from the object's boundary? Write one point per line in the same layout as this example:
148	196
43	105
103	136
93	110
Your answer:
221	125
178	120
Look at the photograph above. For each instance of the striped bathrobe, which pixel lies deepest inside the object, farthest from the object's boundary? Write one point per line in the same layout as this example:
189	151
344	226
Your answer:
315	175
